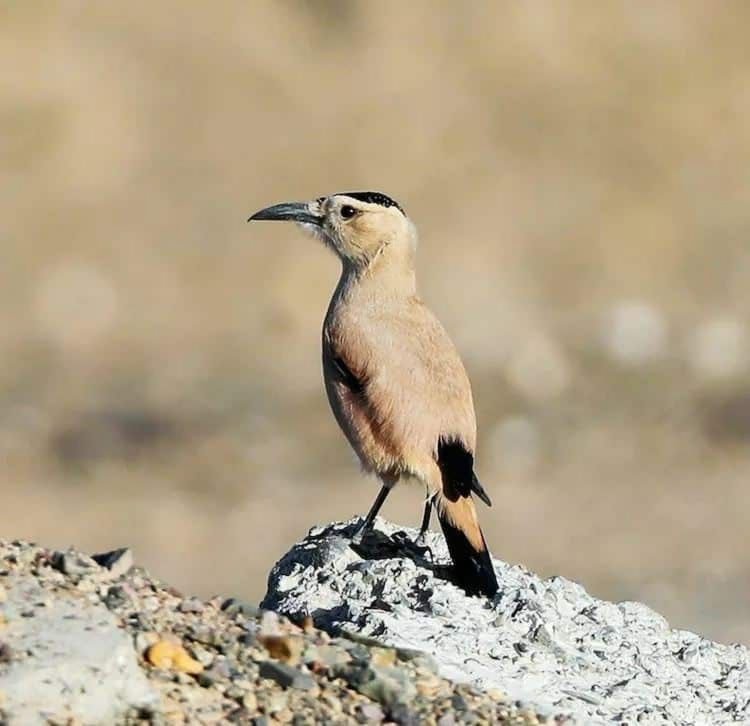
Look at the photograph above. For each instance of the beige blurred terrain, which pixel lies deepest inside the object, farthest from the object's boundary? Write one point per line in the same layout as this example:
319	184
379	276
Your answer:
579	175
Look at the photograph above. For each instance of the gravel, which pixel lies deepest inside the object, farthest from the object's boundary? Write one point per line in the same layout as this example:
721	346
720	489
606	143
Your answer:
548	644
96	640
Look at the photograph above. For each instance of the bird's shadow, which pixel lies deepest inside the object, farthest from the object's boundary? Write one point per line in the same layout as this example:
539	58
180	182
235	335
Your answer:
376	545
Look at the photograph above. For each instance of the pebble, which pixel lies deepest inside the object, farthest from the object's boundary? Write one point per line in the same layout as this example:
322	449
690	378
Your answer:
250	701
286	648
191	605
6	653
117	562
234	606
204	656
370	713
72	563
286	676
168	656
328	655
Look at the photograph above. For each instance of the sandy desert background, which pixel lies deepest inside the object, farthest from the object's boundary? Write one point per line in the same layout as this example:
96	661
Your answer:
579	175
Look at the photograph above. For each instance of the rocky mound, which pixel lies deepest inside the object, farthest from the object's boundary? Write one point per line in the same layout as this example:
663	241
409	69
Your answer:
94	640
547	643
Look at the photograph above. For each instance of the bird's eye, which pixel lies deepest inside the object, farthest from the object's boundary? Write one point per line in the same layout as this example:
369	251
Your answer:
348	212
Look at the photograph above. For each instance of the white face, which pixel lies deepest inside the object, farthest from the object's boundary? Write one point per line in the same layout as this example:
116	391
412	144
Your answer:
358	230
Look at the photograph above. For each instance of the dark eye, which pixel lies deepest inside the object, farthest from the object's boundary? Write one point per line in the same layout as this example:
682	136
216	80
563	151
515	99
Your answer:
348	212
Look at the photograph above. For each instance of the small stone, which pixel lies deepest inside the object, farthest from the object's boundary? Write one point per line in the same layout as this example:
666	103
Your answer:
191	605
250	701
222	668
269	623
151	604
275	702
203	656
209	678
402	714
388	686
331	655
117	562
72	563
286	676
370	713
459	703
144	640
286	648
332	702
166	655
284	716
207	636
6	653
115	597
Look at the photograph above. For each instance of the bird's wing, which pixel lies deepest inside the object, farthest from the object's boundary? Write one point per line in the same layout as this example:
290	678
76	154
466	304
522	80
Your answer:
405	377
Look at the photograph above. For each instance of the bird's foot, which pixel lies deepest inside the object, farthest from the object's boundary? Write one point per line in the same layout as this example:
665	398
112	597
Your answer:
416	545
424	550
360	532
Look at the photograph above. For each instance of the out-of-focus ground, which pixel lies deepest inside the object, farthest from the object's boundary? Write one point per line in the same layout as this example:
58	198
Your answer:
579	174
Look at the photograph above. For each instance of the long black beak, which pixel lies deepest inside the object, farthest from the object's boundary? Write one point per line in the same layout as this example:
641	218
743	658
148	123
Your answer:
288	212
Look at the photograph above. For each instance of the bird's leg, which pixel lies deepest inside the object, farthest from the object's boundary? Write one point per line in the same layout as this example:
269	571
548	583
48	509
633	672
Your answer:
428	503
366	525
419	541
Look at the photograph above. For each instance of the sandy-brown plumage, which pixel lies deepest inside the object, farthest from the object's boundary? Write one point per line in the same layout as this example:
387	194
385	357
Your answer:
413	386
394	379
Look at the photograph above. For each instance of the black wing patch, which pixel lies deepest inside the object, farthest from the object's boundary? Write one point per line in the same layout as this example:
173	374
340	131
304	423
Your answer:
347	375
457	468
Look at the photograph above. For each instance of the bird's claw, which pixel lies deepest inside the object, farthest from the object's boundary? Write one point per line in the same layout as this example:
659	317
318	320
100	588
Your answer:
402	538
360	532
423	549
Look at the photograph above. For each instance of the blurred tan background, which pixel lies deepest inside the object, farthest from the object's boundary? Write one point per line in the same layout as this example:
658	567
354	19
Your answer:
579	174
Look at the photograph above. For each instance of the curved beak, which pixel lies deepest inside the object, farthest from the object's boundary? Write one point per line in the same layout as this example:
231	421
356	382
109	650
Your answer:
301	212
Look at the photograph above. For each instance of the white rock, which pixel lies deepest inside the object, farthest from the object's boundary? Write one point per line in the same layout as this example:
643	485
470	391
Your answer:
77	663
545	642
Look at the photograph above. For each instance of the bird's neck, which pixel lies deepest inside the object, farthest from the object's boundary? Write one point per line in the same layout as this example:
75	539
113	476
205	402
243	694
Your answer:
378	286
387	275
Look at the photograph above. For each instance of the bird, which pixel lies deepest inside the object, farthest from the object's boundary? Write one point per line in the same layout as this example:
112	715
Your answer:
394	379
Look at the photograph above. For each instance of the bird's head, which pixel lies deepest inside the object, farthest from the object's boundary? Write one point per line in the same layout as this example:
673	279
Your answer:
358	226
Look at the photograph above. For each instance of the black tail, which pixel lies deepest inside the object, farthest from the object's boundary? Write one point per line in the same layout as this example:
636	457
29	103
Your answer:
458	518
472	562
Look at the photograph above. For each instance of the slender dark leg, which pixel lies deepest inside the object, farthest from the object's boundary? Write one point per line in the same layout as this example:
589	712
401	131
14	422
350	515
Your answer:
426	518
374	509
